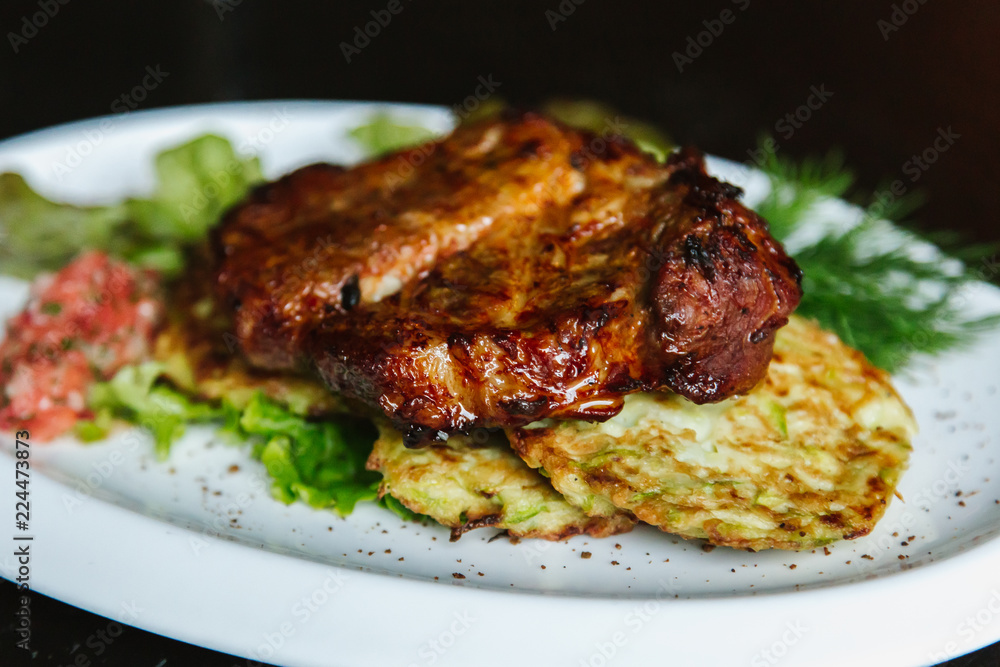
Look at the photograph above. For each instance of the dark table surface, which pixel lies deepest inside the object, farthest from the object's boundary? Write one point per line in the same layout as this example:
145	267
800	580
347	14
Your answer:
898	73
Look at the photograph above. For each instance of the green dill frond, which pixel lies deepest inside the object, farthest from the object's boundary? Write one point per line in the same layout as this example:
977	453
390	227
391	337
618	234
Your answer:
885	303
867	284
796	187
883	204
954	244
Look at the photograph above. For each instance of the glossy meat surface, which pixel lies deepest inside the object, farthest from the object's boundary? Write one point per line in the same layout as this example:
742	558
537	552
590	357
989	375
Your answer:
323	239
522	270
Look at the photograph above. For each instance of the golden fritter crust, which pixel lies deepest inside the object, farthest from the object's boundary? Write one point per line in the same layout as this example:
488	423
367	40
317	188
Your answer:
472	482
810	456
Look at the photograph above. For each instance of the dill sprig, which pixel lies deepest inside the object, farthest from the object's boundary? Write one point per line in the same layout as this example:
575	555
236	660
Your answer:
884	289
797	187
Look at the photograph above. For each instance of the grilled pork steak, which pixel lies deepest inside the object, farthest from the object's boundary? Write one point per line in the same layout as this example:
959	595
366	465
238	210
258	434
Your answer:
514	271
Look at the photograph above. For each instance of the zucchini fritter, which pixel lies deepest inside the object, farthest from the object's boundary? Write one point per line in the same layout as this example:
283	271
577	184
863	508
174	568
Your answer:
810	456
466	484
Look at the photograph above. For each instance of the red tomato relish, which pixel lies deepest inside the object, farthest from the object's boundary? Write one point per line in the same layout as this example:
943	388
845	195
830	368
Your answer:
80	325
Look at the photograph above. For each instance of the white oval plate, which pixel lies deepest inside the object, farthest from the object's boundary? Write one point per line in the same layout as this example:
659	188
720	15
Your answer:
195	548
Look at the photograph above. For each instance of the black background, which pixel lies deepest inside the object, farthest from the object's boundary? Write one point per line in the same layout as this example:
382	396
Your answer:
892	93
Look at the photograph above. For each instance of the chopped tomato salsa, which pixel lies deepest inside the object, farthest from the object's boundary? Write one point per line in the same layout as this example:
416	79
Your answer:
80	325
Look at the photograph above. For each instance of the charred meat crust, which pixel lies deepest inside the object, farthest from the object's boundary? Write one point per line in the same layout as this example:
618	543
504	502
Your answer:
724	290
518	270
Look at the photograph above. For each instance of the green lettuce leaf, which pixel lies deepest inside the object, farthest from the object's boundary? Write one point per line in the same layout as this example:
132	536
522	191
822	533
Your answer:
39	235
196	183
603	119
402	511
133	394
319	462
384	135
